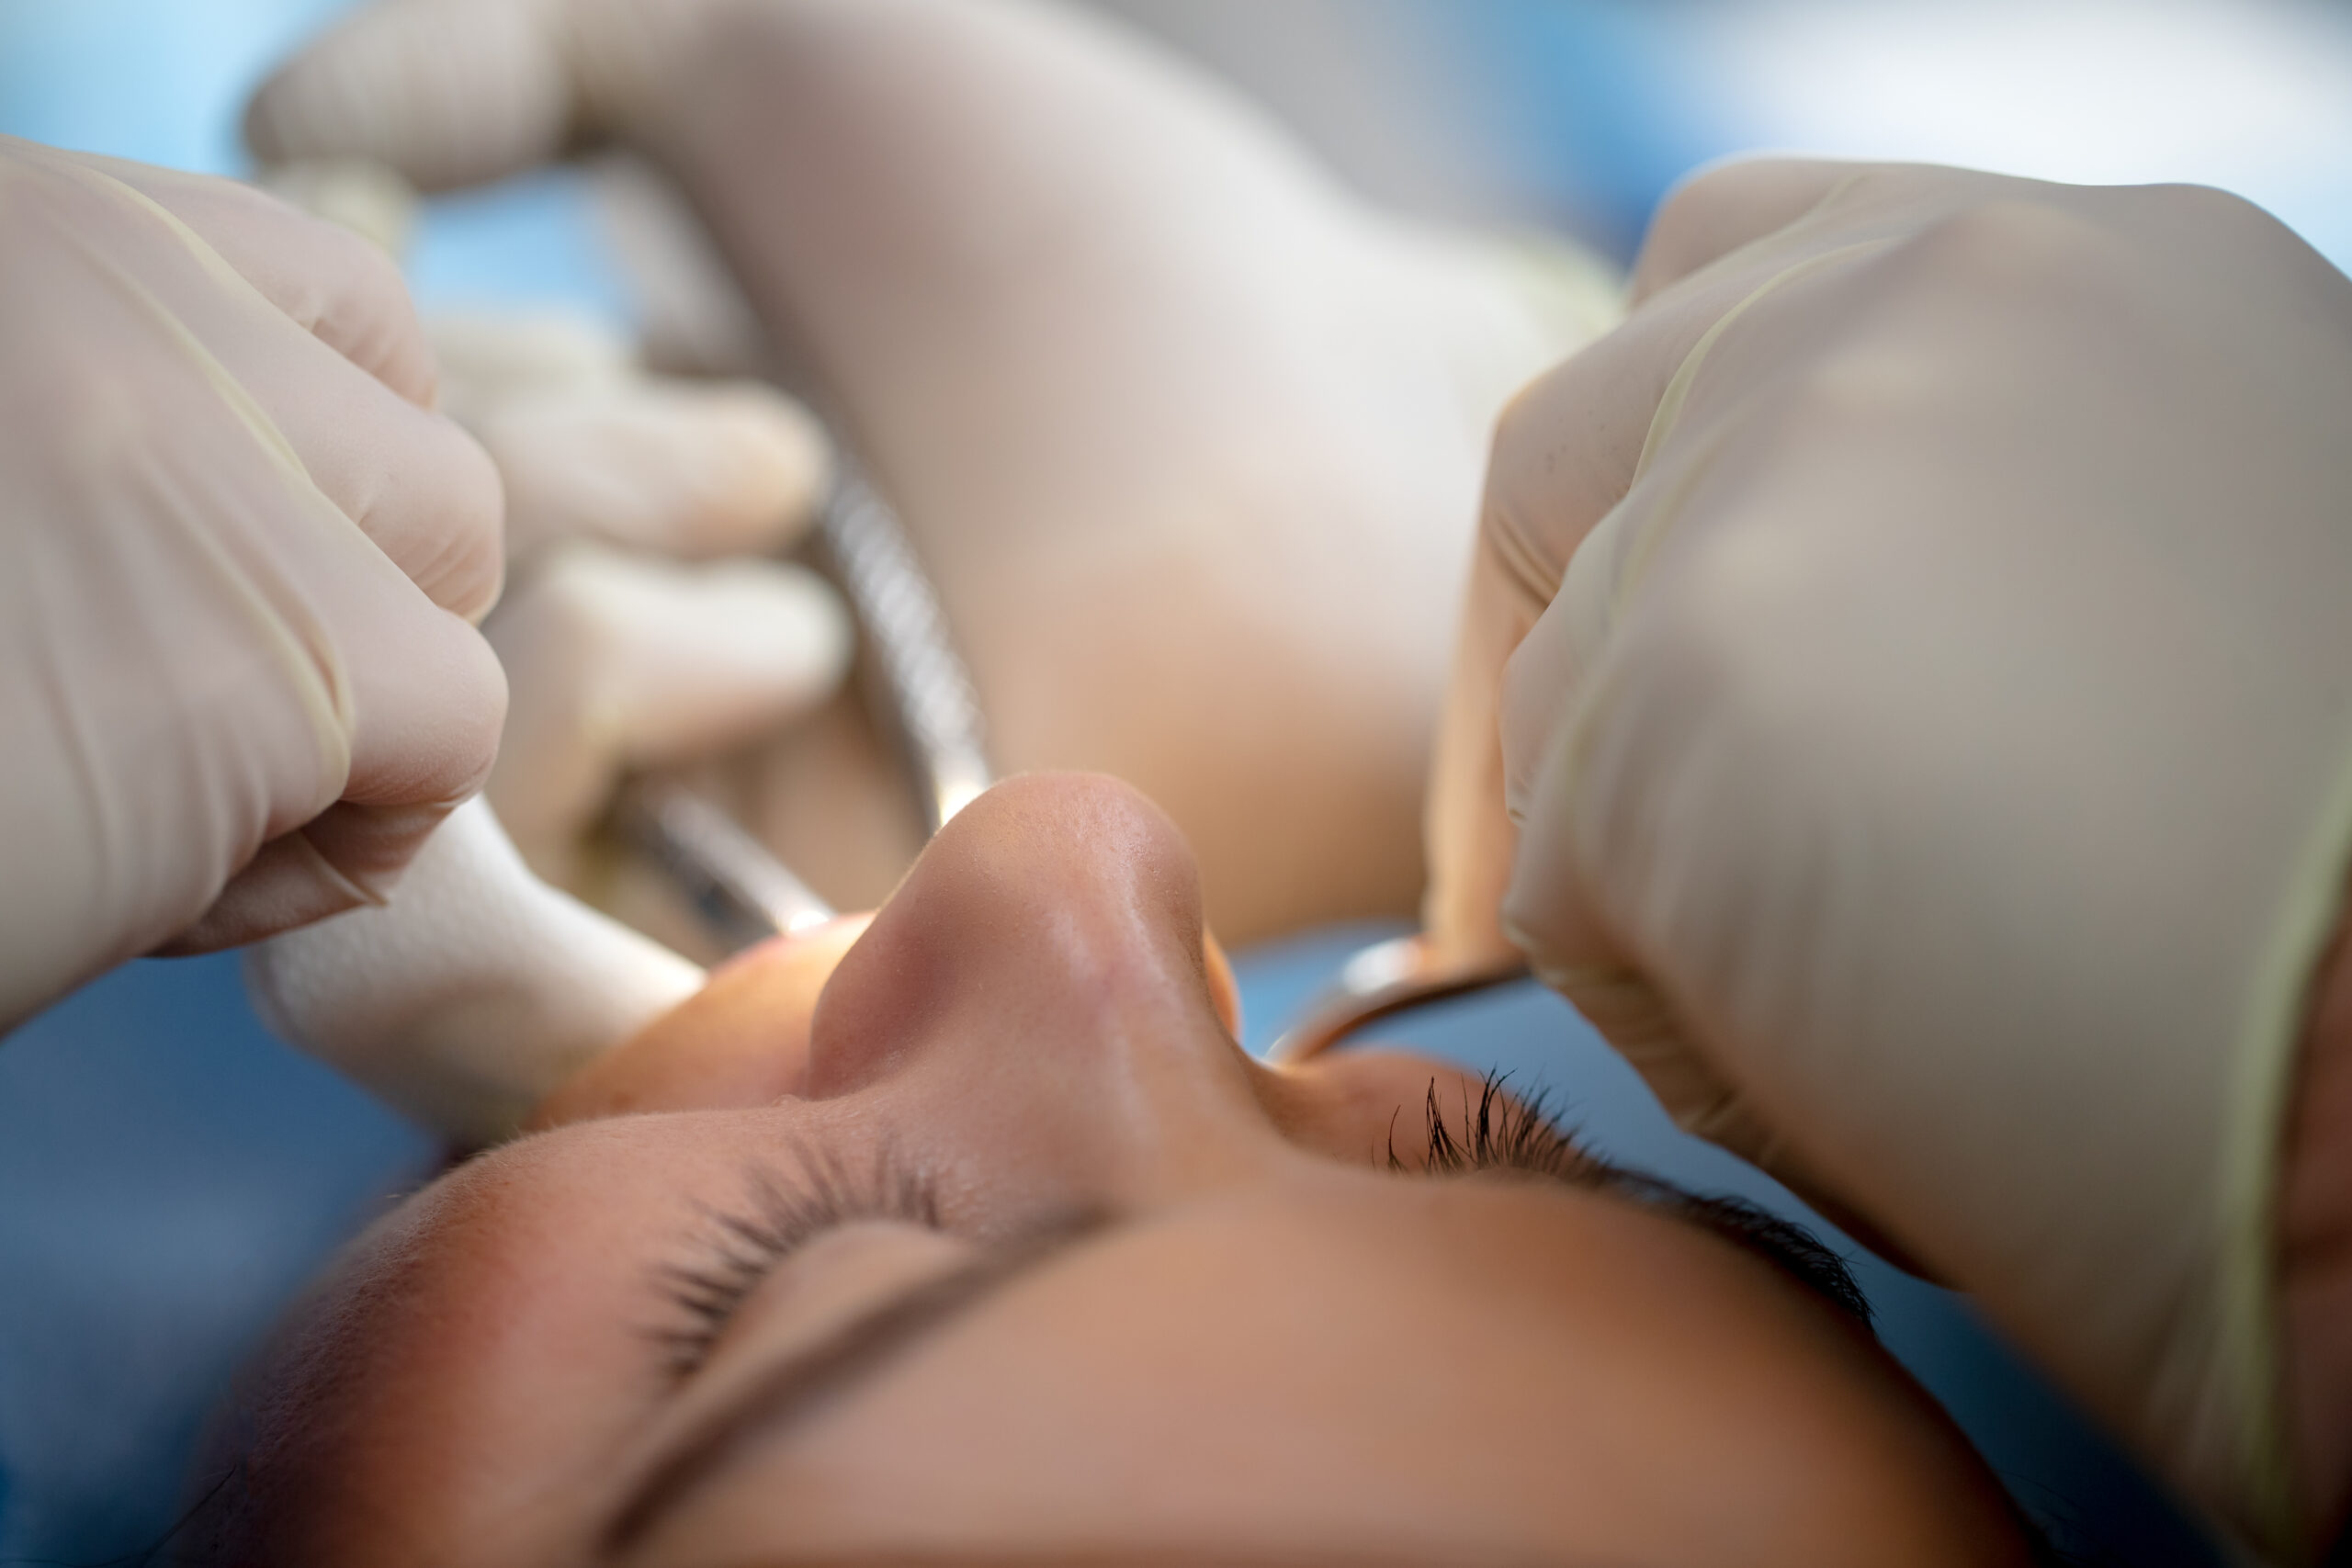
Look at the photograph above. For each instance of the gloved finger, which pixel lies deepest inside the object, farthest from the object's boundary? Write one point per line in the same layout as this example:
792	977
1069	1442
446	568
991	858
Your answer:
488	357
620	663
590	448
425	701
1718	208
1582	783
417	485
374	202
333	283
414	480
668	468
447	94
1565	452
1758	216
1468	839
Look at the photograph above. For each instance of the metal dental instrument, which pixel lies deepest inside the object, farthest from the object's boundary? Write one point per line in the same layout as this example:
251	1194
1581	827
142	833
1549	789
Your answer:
1386	978
923	685
743	893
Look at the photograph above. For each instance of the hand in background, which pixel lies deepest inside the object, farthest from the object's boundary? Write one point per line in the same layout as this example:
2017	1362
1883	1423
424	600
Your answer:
1189	439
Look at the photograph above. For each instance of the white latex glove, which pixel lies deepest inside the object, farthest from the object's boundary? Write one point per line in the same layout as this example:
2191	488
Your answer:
481	988
1934	745
471	996
238	567
626	645
1189	440
643	628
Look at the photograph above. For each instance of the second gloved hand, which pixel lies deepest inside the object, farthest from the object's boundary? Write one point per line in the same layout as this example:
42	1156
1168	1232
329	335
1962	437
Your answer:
1931	749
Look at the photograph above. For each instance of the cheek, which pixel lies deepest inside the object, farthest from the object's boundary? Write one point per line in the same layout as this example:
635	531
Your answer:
740	1042
1355	1105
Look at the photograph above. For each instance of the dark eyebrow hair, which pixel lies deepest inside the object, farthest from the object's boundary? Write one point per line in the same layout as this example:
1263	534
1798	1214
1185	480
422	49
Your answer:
1521	1135
801	1382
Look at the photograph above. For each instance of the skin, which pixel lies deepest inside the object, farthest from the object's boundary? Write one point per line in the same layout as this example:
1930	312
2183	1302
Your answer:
1259	1343
1100	334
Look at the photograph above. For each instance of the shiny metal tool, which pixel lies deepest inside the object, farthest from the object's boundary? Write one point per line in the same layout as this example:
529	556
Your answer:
1386	978
743	893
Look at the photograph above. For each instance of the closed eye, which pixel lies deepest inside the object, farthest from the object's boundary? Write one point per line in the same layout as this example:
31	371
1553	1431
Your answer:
1505	1132
739	1247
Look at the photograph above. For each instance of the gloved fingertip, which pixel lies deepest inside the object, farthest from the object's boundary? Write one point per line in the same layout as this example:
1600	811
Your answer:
447	94
722	654
770	464
672	469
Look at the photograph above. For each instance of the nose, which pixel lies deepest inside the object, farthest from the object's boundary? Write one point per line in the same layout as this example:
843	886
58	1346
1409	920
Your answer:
1040	992
1045	955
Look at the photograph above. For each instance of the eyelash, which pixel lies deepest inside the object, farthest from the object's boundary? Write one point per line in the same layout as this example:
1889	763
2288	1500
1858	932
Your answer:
743	1246
1521	1135
740	1248
1502	1133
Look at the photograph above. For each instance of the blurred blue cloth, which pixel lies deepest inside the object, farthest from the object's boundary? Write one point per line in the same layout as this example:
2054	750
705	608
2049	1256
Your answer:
169	1176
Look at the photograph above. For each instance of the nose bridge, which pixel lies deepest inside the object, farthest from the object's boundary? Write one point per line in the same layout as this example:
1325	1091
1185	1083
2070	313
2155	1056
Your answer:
1128	1053
1040	978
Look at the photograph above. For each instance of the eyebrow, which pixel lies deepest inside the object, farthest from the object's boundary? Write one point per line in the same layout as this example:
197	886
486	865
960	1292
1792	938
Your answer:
858	1349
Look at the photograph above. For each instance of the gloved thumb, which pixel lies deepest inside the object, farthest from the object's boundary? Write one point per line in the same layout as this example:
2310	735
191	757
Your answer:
471	996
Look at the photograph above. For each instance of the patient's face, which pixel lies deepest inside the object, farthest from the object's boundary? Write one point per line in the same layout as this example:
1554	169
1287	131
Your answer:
1001	1244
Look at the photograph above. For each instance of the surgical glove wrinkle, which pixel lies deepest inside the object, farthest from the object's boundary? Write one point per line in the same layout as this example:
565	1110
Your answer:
206	650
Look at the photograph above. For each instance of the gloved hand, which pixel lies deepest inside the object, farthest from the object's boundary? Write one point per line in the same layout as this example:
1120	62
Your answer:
645	626
237	577
1189	440
641	625
1932	748
481	988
